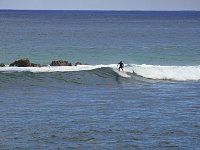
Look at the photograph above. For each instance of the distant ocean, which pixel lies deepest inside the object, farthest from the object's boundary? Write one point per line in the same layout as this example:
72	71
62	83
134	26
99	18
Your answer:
153	104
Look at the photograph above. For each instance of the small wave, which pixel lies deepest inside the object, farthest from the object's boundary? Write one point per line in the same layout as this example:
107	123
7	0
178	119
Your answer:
155	72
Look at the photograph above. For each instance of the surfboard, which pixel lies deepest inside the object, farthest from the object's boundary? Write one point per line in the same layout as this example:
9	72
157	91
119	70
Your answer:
121	73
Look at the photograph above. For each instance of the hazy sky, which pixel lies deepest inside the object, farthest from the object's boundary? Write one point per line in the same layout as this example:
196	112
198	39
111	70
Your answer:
102	4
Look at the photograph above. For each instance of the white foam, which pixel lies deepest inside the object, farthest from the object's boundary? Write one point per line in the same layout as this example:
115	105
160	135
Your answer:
48	68
178	73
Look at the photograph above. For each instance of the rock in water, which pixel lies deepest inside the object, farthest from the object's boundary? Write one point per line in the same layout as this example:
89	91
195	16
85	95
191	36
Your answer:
21	63
35	65
2	65
60	63
24	63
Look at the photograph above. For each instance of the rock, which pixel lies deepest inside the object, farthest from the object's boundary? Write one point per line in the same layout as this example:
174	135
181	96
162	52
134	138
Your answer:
78	63
60	63
24	63
21	63
2	65
35	65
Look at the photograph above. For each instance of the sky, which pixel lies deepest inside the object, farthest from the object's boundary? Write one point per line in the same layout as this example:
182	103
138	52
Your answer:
101	4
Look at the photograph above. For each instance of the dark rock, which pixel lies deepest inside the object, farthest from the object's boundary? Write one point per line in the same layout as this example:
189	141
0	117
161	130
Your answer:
24	63
60	63
78	63
35	65
2	65
21	63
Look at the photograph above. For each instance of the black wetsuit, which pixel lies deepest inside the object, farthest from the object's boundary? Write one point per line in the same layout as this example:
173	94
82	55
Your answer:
121	65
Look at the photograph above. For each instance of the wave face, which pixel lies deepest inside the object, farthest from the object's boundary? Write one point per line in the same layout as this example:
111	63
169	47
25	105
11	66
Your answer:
176	73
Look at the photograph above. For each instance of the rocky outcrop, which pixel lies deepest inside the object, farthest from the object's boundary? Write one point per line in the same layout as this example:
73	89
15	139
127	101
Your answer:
60	63
21	63
2	65
24	63
35	65
27	63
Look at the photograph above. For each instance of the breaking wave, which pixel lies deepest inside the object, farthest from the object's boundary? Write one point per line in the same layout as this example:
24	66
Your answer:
155	72
177	73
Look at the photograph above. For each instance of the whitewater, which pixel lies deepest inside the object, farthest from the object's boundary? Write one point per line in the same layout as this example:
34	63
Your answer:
156	72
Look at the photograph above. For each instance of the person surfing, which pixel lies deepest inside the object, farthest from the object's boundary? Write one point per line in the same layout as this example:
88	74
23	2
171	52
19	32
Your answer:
121	65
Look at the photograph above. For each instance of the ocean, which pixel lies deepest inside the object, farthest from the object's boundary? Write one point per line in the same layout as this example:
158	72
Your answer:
154	103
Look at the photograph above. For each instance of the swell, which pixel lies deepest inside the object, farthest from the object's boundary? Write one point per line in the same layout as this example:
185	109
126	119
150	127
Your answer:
101	74
101	77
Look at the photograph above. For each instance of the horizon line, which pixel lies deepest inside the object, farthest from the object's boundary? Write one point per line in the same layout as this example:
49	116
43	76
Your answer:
93	10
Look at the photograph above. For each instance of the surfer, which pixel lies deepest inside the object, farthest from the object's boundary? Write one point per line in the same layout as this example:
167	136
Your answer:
121	65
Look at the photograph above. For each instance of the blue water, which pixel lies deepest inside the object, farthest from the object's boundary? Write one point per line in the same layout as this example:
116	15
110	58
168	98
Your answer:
162	38
144	107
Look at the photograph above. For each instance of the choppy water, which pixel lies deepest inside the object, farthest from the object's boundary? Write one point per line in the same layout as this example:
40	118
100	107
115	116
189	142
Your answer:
152	106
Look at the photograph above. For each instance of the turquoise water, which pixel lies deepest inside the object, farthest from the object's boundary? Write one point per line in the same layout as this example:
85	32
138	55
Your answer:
161	38
153	106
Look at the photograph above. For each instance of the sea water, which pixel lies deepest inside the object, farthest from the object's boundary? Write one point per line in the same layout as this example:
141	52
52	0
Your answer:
153	104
